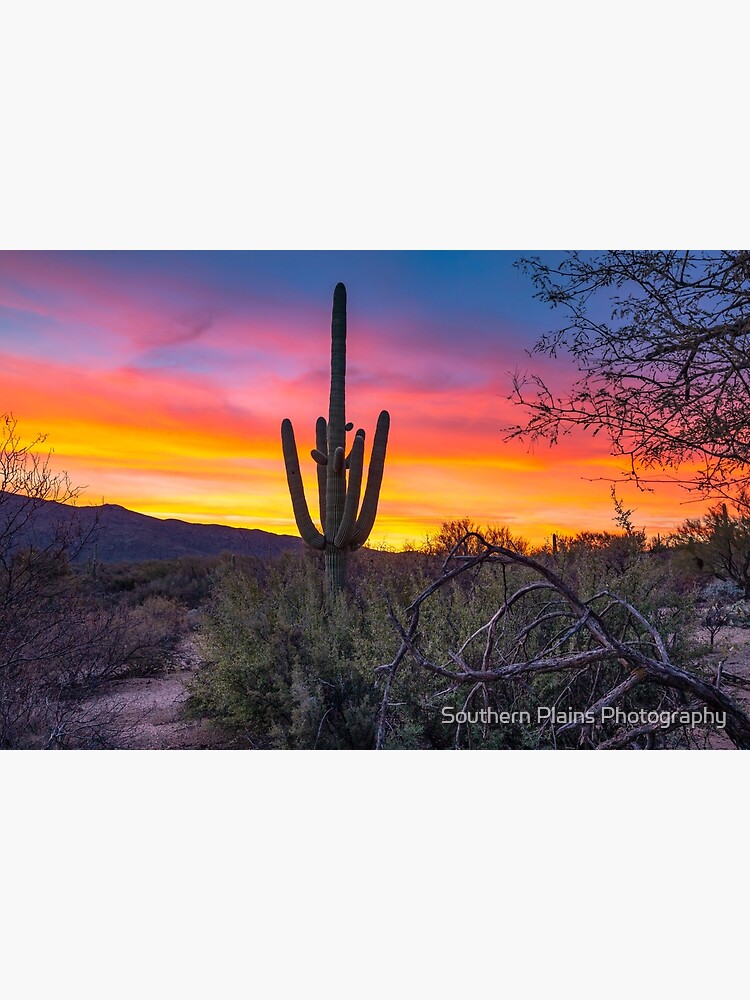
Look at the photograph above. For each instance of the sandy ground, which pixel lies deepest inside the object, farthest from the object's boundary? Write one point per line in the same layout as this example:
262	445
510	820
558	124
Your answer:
149	711
732	645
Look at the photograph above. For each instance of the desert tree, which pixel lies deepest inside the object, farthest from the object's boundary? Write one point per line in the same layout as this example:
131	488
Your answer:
661	343
37	535
720	542
57	641
40	635
464	531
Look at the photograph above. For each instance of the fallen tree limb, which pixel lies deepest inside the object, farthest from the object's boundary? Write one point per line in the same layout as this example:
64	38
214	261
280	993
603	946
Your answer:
626	643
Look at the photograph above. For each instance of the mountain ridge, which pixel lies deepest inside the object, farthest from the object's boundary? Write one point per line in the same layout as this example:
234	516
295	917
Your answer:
118	534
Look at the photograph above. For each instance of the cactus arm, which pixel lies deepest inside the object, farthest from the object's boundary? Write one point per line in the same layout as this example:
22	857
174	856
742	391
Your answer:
305	526
321	445
366	517
356	463
360	433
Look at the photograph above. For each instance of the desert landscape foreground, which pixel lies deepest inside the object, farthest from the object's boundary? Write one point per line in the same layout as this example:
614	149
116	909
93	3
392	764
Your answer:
152	711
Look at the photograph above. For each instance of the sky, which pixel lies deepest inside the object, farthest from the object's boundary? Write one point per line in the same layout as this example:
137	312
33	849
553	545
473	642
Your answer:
161	379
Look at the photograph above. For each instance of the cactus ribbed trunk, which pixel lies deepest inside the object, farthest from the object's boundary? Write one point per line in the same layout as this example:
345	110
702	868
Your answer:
336	565
345	526
336	477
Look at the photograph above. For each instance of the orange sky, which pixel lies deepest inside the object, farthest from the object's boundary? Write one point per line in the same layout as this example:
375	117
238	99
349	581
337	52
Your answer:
166	395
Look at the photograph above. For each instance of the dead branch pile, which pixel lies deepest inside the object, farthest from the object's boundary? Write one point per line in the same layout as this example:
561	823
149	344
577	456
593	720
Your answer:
604	648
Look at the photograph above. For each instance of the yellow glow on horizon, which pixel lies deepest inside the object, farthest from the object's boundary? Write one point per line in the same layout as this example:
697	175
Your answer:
167	449
532	510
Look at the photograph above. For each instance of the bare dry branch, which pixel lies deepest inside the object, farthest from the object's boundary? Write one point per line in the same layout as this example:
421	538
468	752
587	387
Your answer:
616	635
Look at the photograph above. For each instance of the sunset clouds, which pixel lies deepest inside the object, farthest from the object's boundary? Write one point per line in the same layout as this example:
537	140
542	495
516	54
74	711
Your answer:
161	381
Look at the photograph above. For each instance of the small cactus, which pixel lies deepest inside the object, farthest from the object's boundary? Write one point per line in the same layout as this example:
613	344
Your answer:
346	526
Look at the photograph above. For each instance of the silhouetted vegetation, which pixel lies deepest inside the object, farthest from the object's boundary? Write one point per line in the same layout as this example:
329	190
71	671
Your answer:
661	341
63	631
720	543
346	526
186	581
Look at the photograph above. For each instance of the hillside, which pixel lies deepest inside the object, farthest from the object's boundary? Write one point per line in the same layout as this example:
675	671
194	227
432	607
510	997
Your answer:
121	535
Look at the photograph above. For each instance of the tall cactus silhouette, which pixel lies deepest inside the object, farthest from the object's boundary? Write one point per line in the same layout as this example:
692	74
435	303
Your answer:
345	525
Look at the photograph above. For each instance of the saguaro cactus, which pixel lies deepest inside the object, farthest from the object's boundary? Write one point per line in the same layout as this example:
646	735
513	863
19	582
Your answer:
345	525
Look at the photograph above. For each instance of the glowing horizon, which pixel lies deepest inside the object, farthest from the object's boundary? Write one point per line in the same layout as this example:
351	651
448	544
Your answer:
161	381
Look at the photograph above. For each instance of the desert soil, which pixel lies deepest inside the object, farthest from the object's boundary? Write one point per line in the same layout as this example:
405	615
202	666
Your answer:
733	647
150	711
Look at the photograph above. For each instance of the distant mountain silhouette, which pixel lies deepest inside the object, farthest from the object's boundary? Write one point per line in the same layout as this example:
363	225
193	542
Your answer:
122	535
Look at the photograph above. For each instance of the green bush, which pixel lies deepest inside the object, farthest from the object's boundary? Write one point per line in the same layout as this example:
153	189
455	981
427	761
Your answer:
185	581
292	666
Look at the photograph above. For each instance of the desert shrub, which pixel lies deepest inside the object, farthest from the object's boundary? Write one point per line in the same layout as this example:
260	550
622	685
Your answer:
61	634
458	532
595	566
721	592
186	581
291	666
612	574
61	649
139	641
719	542
532	626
